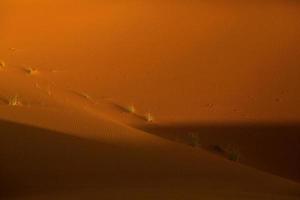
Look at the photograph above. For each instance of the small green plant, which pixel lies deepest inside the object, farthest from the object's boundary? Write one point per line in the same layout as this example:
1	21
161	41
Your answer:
149	117
194	139
233	154
228	152
131	109
14	101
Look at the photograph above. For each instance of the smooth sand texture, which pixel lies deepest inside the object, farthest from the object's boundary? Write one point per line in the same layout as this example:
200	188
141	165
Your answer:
37	163
270	147
86	75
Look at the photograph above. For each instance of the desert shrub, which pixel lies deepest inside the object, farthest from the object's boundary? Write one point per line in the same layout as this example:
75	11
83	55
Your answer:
233	154
31	71
194	139
14	101
149	117
131	109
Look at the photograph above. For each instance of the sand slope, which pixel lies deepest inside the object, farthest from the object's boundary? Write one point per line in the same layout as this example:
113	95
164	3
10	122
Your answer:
38	163
182	61
77	66
266	146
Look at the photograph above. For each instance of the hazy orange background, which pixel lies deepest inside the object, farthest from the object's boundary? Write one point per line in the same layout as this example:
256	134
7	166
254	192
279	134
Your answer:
181	60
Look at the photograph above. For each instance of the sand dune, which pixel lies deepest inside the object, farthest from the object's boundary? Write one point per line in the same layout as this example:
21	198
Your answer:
37	162
269	147
99	99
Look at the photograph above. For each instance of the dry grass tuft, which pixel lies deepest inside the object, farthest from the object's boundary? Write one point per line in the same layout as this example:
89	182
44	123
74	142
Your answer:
228	152
31	71
194	139
149	117
86	96
131	109
233	155
14	101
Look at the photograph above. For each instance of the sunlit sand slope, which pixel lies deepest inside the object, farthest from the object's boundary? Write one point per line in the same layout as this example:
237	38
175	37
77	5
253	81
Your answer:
180	60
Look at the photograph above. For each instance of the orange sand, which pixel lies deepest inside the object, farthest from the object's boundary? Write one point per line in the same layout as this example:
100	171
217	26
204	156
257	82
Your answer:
228	70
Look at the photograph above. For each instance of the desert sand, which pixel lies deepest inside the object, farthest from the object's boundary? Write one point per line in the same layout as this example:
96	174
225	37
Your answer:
149	99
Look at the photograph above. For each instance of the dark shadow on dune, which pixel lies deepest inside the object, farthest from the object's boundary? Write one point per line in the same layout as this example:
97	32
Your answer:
35	160
273	148
119	107
40	161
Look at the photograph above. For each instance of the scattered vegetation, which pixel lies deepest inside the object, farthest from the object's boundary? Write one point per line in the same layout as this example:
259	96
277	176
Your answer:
149	117
194	139
218	149
233	154
131	109
228	152
14	101
31	71
84	95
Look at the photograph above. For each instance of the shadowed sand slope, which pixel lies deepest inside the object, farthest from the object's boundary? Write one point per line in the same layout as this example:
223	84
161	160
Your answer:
271	147
38	163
